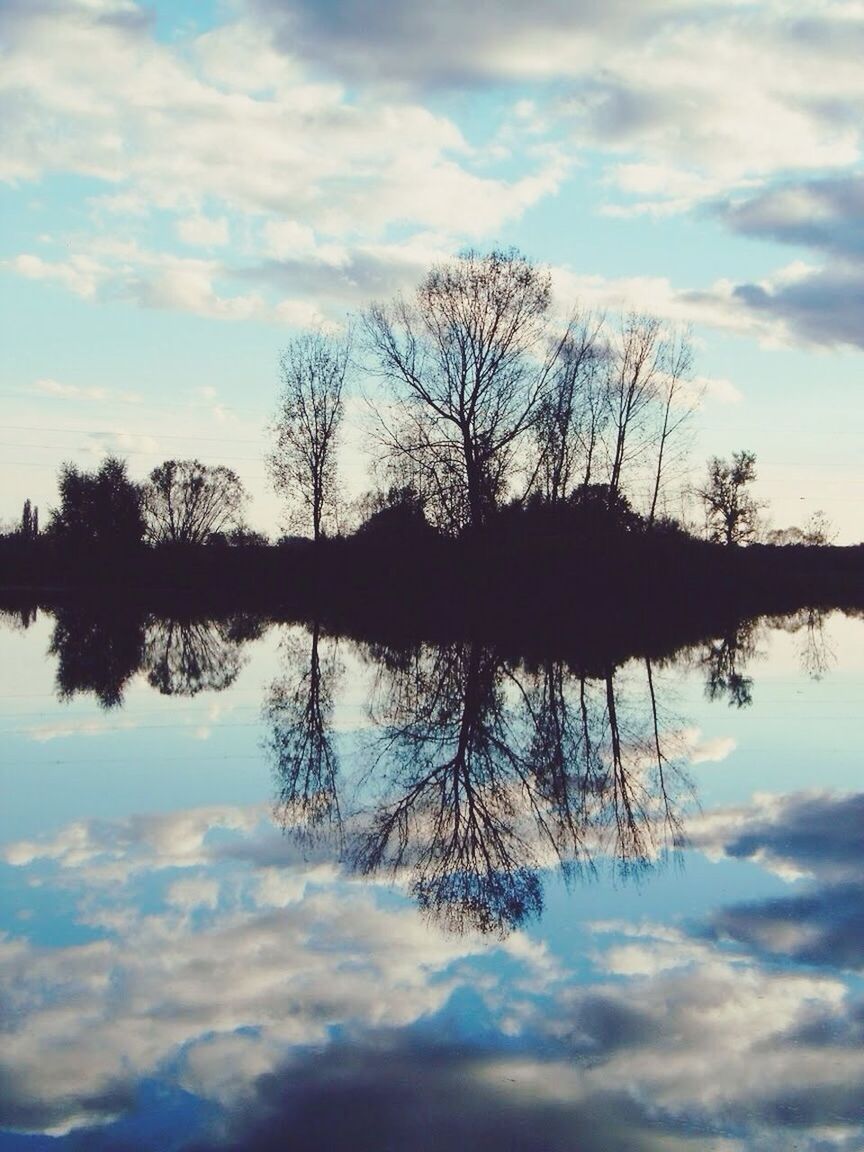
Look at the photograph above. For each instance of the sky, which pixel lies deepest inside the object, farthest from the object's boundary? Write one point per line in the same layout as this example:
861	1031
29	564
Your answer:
185	185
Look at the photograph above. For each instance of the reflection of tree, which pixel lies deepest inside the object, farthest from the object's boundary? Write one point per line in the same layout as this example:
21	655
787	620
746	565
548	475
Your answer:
453	775
814	651
608	772
18	617
99	649
185	657
725	659
489	773
298	712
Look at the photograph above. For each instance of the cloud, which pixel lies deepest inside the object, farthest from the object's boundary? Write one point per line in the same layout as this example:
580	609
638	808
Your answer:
698	97
203	231
63	391
825	214
715	389
302	128
138	115
121	443
80	275
822	306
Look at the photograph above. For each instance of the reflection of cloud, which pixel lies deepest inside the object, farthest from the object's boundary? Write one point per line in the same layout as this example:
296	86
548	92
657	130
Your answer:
291	997
809	834
63	729
138	843
815	836
697	750
398	1091
690	1050
85	1022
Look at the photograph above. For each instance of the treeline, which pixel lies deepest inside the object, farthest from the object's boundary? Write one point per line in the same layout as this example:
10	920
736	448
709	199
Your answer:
482	395
522	472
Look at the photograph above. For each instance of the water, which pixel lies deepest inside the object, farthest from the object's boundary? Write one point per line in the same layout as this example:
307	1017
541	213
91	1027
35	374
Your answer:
263	888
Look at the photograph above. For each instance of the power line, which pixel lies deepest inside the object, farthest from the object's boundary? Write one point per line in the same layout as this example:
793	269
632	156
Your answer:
120	432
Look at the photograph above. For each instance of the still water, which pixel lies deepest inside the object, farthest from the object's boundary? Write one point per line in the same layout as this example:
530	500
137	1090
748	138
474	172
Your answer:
264	888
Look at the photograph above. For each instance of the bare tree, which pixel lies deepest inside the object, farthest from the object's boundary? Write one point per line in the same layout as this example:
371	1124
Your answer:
731	512
305	429
635	366
186	502
469	358
570	413
676	406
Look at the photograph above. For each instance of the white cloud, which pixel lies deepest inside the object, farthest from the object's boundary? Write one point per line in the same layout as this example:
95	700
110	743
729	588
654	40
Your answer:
64	391
203	231
80	274
696	98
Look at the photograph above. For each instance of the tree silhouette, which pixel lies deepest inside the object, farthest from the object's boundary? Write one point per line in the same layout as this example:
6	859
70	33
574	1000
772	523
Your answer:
469	358
572	413
29	521
187	502
101	509
731	512
302	463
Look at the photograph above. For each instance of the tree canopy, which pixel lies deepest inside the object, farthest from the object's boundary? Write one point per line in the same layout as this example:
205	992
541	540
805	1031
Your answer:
305	429
101	508
468	358
187	502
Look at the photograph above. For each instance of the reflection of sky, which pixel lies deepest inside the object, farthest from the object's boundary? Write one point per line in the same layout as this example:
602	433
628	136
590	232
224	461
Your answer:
176	973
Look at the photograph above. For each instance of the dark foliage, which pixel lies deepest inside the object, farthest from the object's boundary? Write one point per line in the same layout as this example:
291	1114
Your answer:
101	509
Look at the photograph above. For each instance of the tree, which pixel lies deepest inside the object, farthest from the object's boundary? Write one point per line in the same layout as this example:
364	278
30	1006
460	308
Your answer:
730	509
468	358
101	508
571	413
819	531
186	502
302	463
676	407
635	365
29	521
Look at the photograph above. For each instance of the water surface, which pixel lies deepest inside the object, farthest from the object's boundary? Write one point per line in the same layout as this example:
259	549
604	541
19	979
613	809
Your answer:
267	888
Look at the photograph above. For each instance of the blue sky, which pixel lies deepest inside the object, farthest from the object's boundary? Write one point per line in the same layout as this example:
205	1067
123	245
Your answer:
184	185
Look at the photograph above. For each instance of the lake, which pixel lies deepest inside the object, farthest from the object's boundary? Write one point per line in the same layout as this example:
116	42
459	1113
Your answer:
263	887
